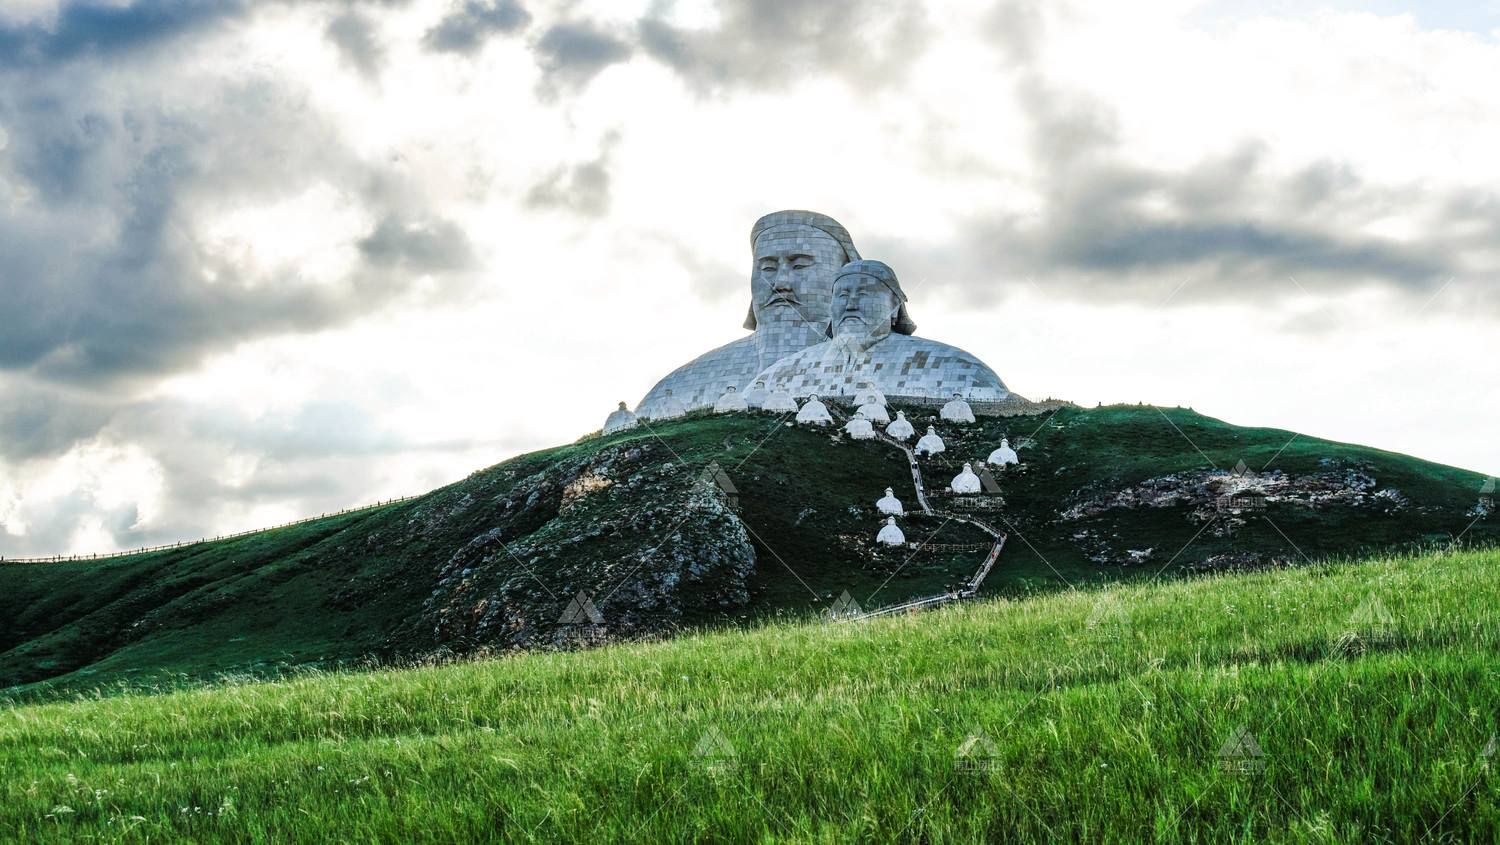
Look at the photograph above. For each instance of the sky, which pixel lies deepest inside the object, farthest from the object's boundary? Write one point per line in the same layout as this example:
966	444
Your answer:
264	260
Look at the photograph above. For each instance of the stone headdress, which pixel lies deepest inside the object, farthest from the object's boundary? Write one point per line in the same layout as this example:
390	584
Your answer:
784	219
880	271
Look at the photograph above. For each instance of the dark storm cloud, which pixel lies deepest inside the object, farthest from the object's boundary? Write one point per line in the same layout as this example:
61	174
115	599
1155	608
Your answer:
466	29
769	43
107	277
353	33
572	53
42	422
1104	225
95	28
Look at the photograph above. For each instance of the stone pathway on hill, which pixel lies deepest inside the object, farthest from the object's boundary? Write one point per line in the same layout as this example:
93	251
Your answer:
971	587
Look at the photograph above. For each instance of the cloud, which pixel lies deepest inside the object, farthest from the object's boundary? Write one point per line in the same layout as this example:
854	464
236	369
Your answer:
771	43
353	33
466	29
572	53
1103	225
94	28
580	188
125	181
420	246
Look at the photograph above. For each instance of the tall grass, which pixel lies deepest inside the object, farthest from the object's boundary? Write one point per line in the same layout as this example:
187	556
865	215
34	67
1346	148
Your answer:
1117	715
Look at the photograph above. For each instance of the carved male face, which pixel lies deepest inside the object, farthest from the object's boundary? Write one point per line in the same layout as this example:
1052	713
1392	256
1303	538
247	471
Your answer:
863	306
793	275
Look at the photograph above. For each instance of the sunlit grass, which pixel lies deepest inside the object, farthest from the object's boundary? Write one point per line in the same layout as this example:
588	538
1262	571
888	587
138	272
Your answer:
1097	715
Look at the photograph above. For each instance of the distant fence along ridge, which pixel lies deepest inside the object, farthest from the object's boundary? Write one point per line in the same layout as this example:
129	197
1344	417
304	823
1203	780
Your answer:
184	544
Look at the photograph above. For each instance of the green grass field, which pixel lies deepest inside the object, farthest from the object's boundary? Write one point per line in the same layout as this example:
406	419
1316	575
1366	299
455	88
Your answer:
1328	703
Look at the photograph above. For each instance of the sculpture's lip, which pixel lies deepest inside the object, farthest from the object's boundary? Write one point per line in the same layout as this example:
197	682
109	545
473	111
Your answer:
781	299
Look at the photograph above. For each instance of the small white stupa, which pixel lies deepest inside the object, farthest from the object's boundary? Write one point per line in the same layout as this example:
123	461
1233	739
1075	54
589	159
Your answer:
757	395
966	481
780	402
930	444
730	402
620	420
1004	455
890	535
814	412
669	408
875	412
859	428
957	410
867	394
900	429
889	504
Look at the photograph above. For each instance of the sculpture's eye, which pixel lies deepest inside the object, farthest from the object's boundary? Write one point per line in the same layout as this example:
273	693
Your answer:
802	262
768	265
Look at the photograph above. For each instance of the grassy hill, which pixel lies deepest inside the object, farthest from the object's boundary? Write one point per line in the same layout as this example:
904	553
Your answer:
1328	703
492	562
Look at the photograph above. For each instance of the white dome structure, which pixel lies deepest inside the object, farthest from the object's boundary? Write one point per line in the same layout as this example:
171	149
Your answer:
859	428
875	412
957	410
780	402
867	394
890	535
757	395
814	412
1004	455
669	408
620	420
930	444
900	429
730	402
889	504
965	482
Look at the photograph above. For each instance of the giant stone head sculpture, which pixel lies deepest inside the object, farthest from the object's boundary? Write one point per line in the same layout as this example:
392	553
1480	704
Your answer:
868	303
796	255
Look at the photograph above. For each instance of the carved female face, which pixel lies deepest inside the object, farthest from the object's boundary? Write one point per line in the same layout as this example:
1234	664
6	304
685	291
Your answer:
863	306
793	274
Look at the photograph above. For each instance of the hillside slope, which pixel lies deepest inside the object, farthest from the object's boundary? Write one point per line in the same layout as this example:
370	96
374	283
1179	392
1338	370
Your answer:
1349	703
494	561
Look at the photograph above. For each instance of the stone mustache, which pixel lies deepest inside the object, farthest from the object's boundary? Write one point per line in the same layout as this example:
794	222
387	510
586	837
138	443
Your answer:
823	321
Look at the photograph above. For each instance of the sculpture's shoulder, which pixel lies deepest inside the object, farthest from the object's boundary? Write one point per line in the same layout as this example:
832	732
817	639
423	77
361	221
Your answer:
918	366
701	381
